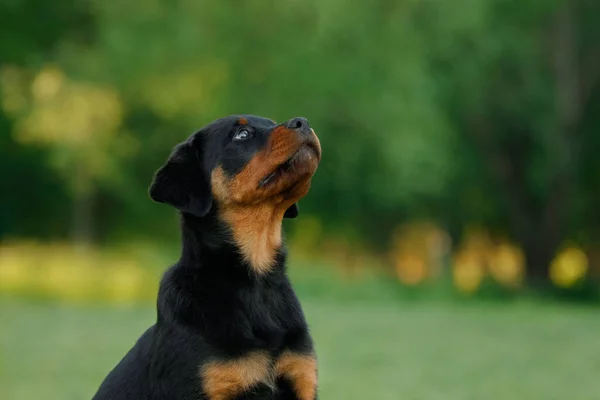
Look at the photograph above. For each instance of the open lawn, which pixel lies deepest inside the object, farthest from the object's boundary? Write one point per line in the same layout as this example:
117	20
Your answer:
415	350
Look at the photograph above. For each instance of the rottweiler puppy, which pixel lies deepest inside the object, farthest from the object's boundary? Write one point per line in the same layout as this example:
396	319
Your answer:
229	325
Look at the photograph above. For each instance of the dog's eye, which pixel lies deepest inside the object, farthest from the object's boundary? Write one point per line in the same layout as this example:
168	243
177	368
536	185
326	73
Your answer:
243	134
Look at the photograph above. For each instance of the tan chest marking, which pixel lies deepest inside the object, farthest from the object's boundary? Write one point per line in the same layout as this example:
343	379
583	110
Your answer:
301	371
223	380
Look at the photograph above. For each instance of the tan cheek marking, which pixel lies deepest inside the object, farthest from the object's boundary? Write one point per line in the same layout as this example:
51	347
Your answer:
244	186
223	380
219	185
301	371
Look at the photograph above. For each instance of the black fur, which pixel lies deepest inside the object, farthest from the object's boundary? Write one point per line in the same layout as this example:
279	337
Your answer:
210	306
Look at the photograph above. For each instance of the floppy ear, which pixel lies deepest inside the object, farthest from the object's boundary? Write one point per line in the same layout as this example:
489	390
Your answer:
292	211
183	182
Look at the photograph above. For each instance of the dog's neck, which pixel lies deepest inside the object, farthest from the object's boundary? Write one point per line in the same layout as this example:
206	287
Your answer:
256	232
248	237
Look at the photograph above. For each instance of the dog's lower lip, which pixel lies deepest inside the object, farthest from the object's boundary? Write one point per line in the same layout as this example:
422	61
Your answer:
285	165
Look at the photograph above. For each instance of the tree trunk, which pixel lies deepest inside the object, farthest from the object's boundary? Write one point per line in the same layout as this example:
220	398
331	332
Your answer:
552	227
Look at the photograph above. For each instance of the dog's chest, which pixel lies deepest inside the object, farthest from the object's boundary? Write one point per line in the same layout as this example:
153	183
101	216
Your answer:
259	372
268	317
271	326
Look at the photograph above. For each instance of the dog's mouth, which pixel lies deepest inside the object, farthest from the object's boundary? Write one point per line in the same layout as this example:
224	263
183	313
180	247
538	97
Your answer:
306	153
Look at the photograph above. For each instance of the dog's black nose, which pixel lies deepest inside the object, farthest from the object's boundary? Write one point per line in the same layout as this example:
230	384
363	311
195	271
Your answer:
298	123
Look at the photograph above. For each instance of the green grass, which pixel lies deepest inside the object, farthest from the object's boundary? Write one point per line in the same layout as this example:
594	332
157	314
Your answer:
378	351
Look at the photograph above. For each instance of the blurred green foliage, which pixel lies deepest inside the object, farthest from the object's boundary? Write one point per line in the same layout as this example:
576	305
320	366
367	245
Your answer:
467	112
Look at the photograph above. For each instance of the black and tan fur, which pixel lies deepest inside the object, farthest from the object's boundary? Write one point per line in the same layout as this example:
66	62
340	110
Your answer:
229	326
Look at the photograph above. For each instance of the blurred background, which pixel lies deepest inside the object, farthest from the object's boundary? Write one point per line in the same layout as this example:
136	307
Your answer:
449	247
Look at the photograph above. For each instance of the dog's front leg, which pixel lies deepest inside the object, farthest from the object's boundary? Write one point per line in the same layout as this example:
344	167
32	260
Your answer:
228	379
297	376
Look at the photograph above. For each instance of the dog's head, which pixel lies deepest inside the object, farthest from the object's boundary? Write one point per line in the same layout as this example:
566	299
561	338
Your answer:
246	167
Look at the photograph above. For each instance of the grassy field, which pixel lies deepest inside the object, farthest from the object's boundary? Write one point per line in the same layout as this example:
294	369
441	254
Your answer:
413	350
